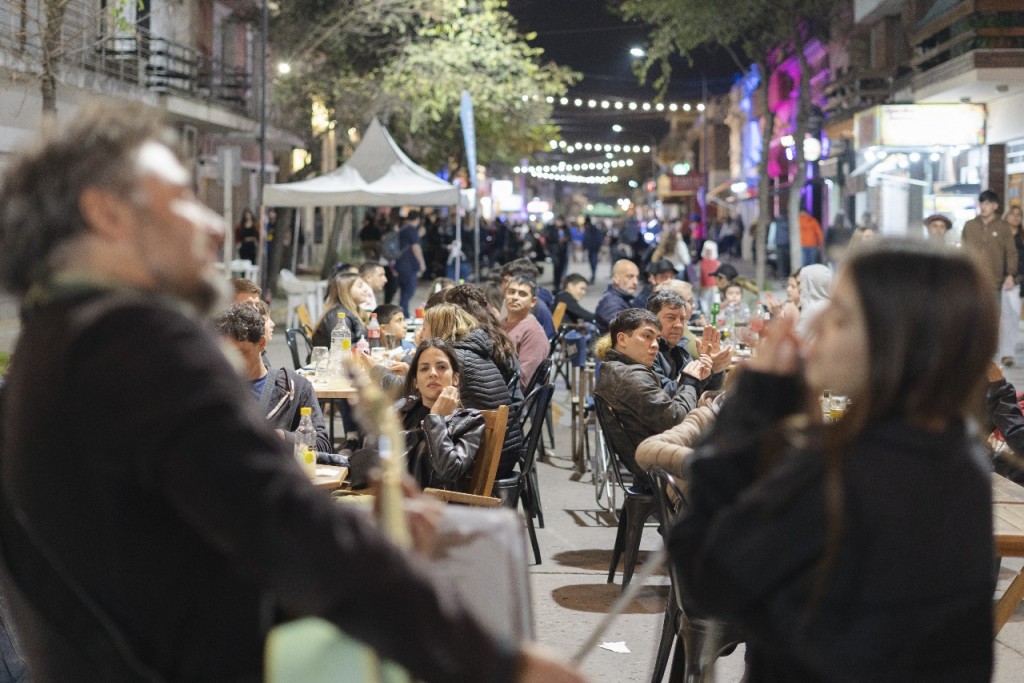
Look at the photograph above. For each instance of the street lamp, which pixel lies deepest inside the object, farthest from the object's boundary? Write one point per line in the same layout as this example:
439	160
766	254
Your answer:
637	51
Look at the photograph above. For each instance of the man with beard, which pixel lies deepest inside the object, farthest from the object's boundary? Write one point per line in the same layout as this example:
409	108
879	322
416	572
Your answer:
180	527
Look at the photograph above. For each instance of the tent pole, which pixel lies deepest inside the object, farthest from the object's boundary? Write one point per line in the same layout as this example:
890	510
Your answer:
476	240
295	242
458	242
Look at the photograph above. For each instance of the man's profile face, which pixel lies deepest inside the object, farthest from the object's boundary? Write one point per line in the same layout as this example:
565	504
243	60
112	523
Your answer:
176	238
640	346
377	278
626	277
673	324
577	290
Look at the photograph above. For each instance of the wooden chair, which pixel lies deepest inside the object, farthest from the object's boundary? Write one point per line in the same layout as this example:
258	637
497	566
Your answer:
558	314
302	311
485	464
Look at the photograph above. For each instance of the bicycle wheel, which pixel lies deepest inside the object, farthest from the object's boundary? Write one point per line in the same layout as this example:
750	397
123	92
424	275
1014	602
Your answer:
601	473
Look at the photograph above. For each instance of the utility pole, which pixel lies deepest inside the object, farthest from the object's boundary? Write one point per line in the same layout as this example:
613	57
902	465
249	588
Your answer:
264	28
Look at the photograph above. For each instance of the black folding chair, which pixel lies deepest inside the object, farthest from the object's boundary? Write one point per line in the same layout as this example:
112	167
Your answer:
682	631
291	337
638	505
522	485
541	376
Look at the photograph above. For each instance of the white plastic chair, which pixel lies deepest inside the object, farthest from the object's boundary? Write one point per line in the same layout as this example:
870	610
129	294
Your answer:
244	268
301	292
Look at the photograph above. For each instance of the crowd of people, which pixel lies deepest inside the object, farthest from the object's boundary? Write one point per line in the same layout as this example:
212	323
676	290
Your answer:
182	529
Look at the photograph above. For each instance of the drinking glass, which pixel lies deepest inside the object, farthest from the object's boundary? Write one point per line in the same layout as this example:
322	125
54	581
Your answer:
837	408
390	340
319	360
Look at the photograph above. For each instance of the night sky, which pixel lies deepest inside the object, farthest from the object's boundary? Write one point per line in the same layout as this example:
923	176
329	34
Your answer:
586	36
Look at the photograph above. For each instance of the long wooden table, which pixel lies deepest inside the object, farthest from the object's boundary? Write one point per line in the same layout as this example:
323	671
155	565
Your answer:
334	388
1008	526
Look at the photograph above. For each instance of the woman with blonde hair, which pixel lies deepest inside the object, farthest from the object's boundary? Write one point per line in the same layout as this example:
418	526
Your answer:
344	292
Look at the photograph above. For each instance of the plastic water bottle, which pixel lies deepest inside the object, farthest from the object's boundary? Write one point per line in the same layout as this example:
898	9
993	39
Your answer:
341	336
341	344
373	332
305	442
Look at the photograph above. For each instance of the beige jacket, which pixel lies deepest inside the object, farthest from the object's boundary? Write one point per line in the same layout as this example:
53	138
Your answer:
670	449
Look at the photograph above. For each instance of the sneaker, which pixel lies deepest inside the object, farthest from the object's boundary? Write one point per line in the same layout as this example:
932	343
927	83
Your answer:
1007	361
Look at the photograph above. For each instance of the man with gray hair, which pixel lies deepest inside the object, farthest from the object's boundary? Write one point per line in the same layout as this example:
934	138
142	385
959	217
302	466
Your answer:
673	313
180	527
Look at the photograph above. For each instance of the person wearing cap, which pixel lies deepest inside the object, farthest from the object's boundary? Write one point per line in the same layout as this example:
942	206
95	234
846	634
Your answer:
620	293
939	229
657	272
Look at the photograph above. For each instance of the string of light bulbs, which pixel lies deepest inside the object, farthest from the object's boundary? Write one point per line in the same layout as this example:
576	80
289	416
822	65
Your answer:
563	166
570	147
619	105
569	178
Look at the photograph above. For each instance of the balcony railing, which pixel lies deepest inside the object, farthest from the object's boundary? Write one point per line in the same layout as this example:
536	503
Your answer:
138	58
979	31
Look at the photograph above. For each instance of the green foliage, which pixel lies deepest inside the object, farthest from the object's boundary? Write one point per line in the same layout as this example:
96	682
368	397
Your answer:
408	62
755	27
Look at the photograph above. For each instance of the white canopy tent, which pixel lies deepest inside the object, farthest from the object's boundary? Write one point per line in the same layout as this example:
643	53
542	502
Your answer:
377	174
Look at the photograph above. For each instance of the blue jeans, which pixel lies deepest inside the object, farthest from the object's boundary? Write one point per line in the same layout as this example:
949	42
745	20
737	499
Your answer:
810	255
407	289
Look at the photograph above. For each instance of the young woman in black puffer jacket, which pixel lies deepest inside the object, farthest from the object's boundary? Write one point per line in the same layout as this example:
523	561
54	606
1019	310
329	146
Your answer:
482	385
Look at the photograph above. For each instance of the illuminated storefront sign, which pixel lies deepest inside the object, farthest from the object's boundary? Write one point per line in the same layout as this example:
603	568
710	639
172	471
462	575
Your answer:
920	125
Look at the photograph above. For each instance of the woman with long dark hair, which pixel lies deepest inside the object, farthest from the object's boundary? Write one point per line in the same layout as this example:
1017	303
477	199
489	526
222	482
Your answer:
248	235
859	550
442	437
482	385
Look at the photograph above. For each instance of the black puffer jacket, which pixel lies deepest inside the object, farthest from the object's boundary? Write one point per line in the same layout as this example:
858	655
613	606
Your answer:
482	386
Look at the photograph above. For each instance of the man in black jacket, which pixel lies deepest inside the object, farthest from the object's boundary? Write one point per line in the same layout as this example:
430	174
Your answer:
575	289
629	385
180	527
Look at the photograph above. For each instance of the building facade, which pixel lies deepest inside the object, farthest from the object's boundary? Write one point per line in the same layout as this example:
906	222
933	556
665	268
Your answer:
195	61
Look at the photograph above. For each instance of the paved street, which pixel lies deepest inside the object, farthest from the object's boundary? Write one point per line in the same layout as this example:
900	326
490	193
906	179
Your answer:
570	593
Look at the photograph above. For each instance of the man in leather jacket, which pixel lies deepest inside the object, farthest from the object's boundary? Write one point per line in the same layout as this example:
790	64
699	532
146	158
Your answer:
629	385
